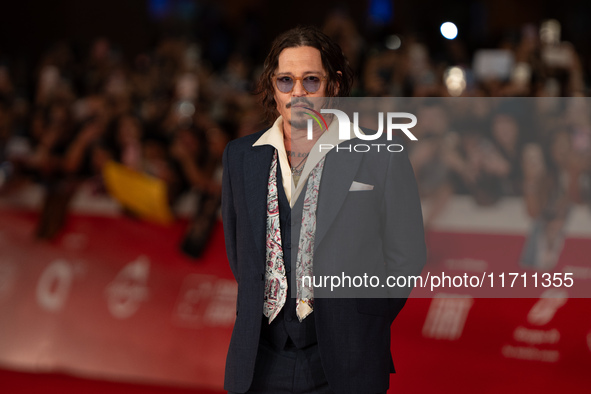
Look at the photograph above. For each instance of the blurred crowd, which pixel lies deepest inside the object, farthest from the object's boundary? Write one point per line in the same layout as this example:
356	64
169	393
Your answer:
170	111
491	148
164	114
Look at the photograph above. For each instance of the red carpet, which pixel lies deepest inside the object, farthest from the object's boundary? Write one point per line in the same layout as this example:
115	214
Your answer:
31	383
114	301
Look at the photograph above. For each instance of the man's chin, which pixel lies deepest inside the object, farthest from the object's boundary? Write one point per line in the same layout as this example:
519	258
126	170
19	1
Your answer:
298	124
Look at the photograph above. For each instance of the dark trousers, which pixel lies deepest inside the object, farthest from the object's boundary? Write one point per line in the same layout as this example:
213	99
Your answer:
288	371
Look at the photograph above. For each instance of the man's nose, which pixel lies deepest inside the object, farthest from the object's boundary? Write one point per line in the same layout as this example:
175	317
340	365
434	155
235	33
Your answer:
298	89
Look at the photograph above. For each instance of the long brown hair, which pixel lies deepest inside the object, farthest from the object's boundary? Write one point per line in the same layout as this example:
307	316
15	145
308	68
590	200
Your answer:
340	74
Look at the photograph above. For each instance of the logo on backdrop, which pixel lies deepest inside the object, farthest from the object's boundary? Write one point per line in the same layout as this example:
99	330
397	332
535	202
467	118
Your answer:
206	300
55	282
546	307
447	316
129	289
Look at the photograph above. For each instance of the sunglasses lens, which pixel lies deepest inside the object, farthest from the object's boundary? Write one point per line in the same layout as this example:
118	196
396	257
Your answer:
284	84
311	84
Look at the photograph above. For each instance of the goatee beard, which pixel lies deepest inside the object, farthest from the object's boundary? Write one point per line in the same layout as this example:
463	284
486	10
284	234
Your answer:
298	124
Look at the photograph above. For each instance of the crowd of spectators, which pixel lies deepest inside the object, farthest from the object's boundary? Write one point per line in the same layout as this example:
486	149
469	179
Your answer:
169	113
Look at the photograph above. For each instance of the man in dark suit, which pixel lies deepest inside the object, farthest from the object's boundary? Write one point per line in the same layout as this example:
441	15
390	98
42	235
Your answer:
286	339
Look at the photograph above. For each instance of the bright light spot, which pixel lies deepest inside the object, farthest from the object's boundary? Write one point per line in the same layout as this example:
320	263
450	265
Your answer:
521	74
455	81
449	30
393	42
550	32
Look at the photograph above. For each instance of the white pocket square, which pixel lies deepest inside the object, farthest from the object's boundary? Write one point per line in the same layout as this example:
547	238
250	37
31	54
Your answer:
358	186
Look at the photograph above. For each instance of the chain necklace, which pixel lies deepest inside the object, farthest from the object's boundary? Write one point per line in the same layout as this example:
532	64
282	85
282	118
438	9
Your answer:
297	170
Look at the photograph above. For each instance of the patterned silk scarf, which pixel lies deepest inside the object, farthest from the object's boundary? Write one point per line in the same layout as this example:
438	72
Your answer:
275	277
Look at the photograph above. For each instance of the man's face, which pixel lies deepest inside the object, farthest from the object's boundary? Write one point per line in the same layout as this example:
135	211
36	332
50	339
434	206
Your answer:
298	62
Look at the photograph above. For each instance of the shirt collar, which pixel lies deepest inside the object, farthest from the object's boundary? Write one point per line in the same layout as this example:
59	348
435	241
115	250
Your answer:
274	137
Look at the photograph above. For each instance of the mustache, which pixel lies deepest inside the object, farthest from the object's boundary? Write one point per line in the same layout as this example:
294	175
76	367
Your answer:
299	101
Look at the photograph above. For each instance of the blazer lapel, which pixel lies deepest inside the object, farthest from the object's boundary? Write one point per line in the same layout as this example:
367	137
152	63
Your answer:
257	163
339	171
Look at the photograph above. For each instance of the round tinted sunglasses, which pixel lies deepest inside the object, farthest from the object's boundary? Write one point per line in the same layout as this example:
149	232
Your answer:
310	83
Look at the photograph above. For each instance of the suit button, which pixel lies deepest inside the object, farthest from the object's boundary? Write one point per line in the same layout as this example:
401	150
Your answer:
287	245
288	317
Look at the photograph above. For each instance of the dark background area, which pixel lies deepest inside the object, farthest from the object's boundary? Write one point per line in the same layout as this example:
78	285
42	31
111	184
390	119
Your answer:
27	28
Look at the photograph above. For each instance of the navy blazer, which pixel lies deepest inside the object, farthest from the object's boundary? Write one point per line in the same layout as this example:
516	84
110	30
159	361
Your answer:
353	334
